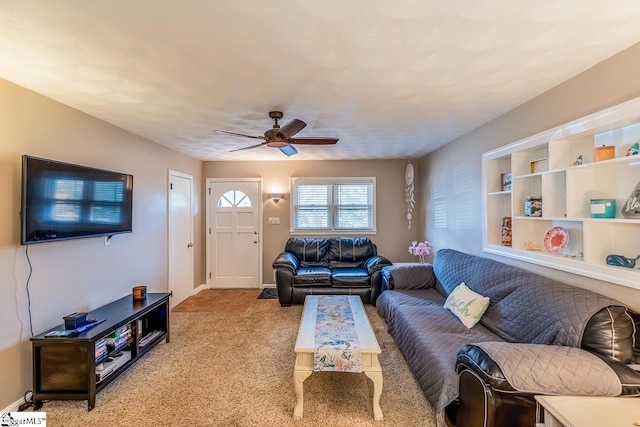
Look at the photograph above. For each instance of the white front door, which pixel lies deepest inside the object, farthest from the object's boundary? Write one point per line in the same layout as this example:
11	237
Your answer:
180	236
234	233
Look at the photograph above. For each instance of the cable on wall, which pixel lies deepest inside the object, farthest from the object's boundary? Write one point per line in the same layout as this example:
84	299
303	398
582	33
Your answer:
26	251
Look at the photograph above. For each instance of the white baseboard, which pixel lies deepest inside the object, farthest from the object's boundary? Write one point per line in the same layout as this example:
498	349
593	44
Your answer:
198	289
14	406
203	287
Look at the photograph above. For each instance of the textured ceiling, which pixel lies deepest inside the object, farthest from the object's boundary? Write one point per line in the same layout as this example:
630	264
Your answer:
391	79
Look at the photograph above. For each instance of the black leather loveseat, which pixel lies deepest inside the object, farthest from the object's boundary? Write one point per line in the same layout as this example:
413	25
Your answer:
335	266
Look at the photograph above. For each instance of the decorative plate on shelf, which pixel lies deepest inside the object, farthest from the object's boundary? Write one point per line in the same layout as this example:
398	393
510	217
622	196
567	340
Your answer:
556	240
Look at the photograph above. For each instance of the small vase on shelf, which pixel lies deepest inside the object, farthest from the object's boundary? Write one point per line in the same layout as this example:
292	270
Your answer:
421	250
506	231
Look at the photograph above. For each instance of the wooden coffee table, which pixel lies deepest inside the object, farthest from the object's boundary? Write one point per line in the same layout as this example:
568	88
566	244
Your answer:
304	349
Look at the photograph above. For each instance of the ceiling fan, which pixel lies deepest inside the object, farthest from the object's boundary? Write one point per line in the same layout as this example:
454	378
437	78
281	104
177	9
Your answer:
282	137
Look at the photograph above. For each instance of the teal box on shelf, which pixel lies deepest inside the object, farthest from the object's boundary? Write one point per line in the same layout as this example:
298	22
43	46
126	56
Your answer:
603	208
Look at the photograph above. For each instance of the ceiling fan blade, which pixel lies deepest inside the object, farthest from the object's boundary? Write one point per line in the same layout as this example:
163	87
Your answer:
314	141
249	147
289	150
291	128
237	134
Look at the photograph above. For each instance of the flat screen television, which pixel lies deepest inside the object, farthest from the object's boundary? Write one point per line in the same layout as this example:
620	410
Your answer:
64	201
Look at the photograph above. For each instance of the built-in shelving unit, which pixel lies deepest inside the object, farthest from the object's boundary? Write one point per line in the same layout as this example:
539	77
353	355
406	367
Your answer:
547	165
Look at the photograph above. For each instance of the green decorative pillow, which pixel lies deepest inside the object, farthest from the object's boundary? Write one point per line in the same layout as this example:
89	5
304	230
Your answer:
467	305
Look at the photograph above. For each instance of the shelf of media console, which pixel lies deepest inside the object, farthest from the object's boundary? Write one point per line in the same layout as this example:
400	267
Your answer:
150	338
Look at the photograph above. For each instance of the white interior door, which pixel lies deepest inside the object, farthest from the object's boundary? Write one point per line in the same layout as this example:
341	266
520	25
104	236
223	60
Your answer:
234	233
180	236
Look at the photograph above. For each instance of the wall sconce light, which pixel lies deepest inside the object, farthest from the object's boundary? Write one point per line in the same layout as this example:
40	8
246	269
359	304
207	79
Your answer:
275	196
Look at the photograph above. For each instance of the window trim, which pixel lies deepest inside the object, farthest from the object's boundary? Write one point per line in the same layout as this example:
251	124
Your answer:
293	182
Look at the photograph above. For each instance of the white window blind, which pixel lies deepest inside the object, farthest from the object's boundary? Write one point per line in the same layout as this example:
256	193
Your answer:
333	204
353	206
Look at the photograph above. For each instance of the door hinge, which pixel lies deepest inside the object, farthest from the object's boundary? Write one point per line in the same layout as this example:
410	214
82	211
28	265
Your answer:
209	191
209	275
171	186
209	230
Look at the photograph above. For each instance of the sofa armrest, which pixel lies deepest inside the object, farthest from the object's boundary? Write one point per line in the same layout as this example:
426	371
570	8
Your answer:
411	276
376	263
473	358
547	369
287	261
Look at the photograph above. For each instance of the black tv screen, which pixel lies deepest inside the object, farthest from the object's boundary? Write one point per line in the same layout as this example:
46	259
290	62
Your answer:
64	201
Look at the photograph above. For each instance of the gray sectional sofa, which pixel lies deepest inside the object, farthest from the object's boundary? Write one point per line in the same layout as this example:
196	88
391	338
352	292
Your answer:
537	336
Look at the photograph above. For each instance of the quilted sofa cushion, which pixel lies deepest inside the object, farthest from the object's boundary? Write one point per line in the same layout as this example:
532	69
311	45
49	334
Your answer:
430	338
390	300
412	276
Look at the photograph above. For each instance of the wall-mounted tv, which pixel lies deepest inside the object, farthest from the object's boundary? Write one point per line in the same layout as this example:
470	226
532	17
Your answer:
63	201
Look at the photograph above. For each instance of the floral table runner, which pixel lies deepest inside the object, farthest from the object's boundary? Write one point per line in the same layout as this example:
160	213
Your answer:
336	346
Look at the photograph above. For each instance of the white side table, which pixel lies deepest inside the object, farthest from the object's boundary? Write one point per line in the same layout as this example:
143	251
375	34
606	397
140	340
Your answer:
582	411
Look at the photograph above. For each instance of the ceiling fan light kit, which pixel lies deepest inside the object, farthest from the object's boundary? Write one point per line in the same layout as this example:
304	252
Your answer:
282	137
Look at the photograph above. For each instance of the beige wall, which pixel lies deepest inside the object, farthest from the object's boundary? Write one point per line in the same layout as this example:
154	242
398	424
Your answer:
608	83
75	275
393	237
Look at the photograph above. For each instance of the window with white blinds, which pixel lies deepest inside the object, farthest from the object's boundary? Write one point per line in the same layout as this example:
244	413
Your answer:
336	204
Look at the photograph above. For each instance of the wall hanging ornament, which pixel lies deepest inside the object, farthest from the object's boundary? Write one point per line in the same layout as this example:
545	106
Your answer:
408	192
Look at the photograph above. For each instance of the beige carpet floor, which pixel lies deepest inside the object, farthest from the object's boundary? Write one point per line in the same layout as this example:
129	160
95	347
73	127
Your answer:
235	368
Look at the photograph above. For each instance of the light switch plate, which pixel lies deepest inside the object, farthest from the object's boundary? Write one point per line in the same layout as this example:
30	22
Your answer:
274	220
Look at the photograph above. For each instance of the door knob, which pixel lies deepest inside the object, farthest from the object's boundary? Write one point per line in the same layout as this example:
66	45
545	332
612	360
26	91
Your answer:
255	241
190	245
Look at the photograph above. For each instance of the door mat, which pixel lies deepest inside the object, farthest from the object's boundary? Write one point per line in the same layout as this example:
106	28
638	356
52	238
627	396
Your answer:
268	293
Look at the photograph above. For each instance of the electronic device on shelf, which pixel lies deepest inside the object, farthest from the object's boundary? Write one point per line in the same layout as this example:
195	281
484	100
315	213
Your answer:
111	364
74	320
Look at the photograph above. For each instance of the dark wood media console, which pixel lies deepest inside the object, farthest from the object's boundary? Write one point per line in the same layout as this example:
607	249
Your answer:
77	367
